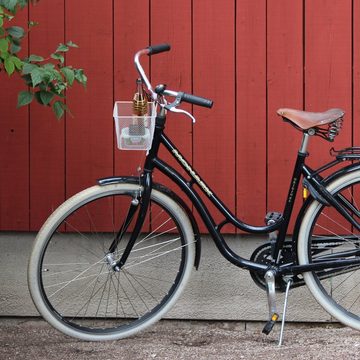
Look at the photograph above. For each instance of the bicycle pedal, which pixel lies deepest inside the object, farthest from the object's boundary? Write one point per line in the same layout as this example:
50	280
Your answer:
270	324
272	217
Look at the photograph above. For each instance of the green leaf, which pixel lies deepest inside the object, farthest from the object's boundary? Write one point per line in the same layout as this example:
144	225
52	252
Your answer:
58	57
1	21
24	98
46	97
9	4
35	58
36	76
62	48
4	55
17	62
60	87
55	90
81	77
4	45
49	66
28	68
37	98
23	3
71	44
15	48
52	72
16	32
54	75
59	109
9	66
69	74
27	79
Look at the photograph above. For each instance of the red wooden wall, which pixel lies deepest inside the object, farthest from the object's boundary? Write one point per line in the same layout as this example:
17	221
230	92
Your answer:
250	56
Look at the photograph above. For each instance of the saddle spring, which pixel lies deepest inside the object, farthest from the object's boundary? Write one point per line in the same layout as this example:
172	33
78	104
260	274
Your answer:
331	132
334	129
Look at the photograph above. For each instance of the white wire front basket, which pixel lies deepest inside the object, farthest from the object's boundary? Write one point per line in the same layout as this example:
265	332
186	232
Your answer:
134	132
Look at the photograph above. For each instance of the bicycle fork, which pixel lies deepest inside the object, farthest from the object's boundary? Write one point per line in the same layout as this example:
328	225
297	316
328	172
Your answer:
143	203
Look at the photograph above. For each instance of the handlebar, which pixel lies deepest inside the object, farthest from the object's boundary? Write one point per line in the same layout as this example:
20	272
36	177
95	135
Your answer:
180	96
197	100
157	49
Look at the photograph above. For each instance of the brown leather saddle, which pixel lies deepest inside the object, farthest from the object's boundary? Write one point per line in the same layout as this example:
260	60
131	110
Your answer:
306	120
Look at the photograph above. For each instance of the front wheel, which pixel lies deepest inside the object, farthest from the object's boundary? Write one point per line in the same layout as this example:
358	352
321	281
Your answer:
71	277
325	235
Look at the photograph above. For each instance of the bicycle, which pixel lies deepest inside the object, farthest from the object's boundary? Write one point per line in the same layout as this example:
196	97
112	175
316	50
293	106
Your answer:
114	258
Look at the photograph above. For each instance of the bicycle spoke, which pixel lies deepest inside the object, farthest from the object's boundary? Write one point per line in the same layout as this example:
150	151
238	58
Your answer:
331	238
154	257
78	283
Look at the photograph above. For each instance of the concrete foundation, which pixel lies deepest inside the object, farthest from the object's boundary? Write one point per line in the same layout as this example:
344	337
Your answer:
218	290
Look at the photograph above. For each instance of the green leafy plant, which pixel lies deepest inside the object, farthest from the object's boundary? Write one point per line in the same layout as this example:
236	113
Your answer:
47	78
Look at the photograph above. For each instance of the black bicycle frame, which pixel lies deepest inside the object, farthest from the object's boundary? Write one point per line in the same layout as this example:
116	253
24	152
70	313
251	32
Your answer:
300	169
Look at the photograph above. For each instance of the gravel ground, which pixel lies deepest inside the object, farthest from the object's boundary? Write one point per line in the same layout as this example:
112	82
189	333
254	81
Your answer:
35	339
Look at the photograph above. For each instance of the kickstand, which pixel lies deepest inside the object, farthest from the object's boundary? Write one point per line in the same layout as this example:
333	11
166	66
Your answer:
288	285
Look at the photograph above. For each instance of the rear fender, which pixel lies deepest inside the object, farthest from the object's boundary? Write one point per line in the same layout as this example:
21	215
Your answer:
345	170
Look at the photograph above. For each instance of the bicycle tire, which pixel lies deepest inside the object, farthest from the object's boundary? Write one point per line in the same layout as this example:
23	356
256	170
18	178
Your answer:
72	283
324	233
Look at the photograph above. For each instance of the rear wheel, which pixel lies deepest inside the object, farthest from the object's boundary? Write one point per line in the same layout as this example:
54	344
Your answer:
325	235
71	277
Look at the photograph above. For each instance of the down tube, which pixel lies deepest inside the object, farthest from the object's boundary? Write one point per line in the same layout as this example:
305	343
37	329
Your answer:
206	217
229	216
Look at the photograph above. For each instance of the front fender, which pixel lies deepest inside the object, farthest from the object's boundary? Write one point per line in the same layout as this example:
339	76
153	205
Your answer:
168	192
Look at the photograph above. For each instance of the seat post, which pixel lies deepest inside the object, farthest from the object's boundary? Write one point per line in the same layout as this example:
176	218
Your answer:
304	142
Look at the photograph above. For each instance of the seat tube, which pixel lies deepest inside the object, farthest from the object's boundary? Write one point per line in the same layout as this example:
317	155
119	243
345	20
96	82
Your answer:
293	188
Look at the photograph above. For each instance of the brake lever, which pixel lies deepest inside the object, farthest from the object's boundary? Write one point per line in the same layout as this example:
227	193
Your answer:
173	107
181	111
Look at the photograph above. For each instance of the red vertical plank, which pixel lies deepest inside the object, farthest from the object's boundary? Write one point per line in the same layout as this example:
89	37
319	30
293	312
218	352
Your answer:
172	24
251	110
328	67
131	33
285	89
89	135
328	71
356	73
214	74
14	149
47	162
129	18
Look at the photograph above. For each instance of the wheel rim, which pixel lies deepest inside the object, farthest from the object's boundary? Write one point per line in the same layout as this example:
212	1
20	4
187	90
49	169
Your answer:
146	275
327	237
